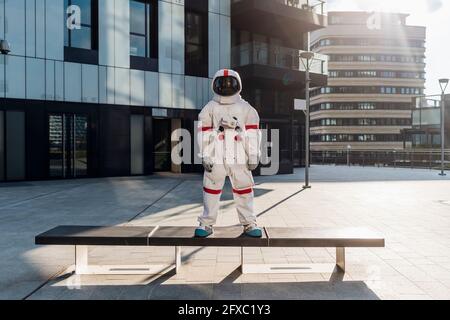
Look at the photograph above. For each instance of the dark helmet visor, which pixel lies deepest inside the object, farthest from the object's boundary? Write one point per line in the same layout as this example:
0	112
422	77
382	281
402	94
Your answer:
226	86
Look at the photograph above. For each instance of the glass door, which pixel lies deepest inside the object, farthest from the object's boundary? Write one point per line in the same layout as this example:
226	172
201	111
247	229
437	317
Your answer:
68	140
80	145
162	145
56	146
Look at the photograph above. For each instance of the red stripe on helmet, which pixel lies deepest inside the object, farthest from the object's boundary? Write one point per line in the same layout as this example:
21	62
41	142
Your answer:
226	73
242	192
252	127
210	191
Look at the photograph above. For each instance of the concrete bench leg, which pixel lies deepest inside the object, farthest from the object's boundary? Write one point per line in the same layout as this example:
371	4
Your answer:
82	266
295	268
177	259
81	259
340	258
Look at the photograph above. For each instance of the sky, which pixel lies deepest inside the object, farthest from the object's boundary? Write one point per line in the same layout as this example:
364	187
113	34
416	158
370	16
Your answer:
433	14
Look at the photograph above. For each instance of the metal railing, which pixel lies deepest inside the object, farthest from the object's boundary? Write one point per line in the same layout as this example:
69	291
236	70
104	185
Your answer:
430	159
316	6
276	56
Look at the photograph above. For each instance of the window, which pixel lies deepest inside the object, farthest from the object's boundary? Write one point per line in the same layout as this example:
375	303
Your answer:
81	31
143	35
367	90
196	28
82	38
139	29
336	20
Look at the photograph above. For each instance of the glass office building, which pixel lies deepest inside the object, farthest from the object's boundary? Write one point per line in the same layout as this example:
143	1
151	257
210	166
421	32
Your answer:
94	88
376	65
267	39
426	123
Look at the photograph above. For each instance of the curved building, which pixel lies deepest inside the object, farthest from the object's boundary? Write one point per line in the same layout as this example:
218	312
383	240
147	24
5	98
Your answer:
376	66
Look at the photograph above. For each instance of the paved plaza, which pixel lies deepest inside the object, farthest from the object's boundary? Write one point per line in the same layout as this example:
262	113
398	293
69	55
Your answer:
410	208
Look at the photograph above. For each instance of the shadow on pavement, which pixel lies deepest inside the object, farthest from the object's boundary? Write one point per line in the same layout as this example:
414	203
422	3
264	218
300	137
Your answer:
231	287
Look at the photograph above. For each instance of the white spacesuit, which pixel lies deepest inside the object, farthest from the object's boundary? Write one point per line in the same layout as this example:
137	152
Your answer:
230	144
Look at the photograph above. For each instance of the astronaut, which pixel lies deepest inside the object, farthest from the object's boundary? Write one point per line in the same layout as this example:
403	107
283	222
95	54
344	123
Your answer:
230	146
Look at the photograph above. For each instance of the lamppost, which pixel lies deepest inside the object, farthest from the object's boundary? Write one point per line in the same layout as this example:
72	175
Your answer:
349	148
308	56
443	84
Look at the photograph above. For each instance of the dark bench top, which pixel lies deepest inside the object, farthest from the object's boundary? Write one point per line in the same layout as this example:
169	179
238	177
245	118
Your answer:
324	237
96	236
223	237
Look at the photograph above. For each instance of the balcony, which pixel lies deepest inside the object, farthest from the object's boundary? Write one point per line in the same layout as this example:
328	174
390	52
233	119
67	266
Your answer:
257	60
287	18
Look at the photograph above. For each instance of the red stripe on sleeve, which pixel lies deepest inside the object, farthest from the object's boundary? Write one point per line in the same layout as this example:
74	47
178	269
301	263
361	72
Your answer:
203	129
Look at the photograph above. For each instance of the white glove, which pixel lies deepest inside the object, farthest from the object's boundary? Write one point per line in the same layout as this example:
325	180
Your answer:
229	123
252	166
208	164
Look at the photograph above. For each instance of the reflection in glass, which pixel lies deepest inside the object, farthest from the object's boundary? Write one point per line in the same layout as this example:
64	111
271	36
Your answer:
80	146
68	141
79	38
140	27
55	129
137	46
194	38
162	145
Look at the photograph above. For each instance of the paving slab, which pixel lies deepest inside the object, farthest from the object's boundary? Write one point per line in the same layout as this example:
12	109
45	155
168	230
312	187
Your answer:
409	208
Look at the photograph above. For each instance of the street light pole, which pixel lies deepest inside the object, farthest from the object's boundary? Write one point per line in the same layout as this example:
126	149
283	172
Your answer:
308	56
443	83
307	127
349	148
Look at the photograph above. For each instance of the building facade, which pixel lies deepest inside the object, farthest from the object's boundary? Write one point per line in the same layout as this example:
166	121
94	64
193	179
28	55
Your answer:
267	39
376	65
426	123
95	88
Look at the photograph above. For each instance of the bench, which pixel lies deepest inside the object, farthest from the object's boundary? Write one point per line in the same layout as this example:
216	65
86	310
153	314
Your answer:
83	236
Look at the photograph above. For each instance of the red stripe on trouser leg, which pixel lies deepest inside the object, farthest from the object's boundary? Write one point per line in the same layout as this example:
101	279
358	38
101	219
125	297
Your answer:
210	191
242	192
226	73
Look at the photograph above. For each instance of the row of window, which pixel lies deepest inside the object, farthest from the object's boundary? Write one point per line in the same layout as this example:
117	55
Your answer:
376	58
376	74
368	90
379	42
361	21
348	106
271	101
426	140
81	32
357	138
362	122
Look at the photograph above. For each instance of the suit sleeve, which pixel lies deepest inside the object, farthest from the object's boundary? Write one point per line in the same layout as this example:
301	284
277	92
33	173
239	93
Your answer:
253	136
206	133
